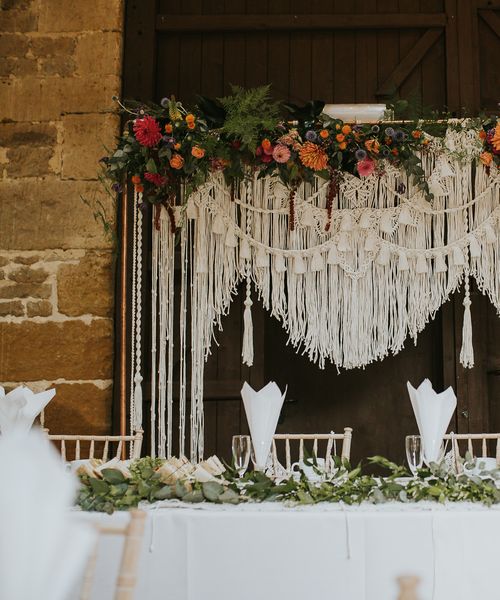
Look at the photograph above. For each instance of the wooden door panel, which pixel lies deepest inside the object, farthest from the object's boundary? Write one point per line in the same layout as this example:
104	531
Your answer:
439	53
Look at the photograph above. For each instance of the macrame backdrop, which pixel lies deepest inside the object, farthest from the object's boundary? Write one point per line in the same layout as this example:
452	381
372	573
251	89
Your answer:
349	285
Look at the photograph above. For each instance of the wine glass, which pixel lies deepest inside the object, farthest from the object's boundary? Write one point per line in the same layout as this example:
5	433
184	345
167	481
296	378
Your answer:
241	453
414	453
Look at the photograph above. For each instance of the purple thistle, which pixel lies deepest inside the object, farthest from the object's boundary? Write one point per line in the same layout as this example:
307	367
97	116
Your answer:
399	135
116	187
375	128
360	154
385	151
311	136
389	132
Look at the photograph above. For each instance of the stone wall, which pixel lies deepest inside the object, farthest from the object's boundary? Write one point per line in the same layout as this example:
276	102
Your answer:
60	65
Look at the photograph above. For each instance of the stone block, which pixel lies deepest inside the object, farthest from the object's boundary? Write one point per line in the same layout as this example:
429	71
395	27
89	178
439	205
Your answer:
85	140
4	261
32	351
17	67
52	214
27	275
20	19
110	53
64	66
87	287
13	44
80	408
9	290
28	134
12	308
45	46
42	308
61	15
29	161
25	260
50	97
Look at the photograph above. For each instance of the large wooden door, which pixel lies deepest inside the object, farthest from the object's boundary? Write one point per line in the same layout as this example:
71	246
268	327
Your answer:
437	52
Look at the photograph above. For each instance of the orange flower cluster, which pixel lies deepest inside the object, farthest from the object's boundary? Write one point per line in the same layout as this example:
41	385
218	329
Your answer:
138	187
176	162
190	120
313	156
197	152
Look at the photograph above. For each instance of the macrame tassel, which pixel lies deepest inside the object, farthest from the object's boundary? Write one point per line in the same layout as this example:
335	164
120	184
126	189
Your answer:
386	224
366	220
191	210
421	264
333	257
467	351
491	236
347	222
474	247
405	217
440	265
247	348
218	226
261	259
280	264
458	256
138	402
384	256
317	263
231	240
403	262
344	244
371	242
245	250
299	265
307	217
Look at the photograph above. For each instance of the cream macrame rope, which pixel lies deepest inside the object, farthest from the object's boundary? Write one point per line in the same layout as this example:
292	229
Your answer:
348	294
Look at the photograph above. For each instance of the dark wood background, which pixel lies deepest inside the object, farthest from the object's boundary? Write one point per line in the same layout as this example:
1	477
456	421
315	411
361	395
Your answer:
441	53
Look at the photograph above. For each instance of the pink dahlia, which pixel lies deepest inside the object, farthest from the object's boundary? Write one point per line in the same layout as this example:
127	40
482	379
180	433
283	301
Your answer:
366	167
155	179
281	153
147	131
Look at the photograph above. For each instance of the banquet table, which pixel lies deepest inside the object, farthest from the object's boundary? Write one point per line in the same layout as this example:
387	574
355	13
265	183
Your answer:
270	551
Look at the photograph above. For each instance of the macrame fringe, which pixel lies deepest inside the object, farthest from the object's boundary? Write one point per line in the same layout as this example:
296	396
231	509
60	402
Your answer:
350	282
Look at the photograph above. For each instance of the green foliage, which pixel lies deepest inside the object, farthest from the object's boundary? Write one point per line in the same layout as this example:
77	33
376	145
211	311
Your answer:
348	485
248	114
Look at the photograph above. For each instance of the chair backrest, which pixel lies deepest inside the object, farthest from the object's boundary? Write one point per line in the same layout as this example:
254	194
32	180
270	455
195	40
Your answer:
85	445
126	582
310	442
474	440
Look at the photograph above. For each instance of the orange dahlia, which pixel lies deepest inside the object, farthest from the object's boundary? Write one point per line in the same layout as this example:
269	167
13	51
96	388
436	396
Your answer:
313	156
486	158
495	140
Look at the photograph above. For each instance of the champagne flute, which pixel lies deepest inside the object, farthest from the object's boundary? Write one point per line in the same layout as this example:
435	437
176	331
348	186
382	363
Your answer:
241	453
414	453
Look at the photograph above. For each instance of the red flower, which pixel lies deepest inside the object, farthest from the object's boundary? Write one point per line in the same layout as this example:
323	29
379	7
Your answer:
147	131
366	167
155	178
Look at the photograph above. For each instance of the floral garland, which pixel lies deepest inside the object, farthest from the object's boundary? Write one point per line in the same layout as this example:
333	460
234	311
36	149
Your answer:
153	480
164	148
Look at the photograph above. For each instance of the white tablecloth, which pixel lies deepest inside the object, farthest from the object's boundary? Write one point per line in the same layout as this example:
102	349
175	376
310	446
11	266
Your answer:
270	552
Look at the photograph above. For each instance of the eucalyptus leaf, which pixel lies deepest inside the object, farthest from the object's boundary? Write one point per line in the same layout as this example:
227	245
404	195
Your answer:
212	490
113	476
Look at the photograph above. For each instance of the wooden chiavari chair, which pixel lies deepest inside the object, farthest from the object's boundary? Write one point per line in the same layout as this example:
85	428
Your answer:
78	441
133	533
313	439
470	439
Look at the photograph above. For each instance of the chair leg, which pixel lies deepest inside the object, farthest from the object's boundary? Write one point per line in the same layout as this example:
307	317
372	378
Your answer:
127	577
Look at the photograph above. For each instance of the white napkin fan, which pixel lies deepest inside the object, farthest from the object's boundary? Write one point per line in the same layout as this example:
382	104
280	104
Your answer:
433	413
20	407
263	410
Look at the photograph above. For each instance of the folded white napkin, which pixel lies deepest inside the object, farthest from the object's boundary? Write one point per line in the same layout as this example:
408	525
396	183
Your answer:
263	410
433	413
20	407
43	549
